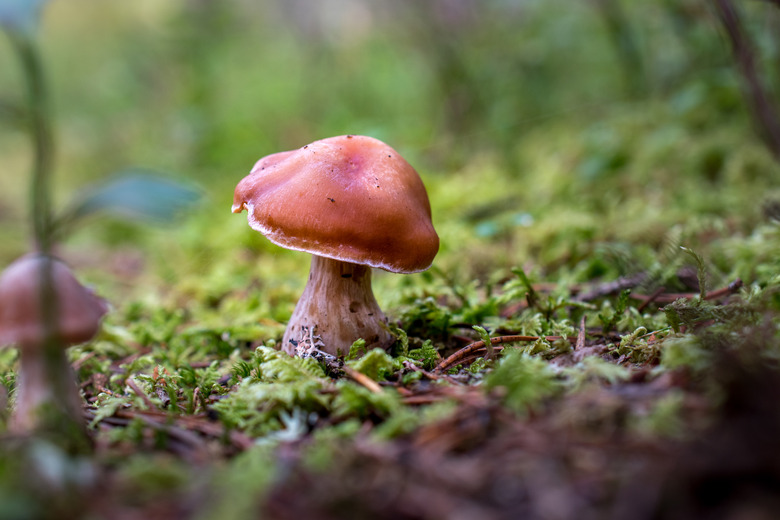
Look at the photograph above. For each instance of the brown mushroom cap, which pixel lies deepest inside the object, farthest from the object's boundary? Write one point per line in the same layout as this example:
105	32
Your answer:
350	198
78	309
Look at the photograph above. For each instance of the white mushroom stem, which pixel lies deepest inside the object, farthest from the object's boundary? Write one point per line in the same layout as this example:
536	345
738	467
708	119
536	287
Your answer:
337	307
46	391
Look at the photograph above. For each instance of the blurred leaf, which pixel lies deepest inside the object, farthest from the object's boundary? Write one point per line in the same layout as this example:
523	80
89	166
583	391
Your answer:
137	194
20	16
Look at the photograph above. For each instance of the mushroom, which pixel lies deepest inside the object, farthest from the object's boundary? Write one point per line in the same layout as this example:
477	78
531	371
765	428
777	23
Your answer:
354	203
44	310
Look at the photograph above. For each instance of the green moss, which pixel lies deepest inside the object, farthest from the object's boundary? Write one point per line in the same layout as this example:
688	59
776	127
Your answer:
522	380
376	364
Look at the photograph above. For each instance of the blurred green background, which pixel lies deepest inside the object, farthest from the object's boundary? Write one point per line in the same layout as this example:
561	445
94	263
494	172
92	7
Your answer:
575	139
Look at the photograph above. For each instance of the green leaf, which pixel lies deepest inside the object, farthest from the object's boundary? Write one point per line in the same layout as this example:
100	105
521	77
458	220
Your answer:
20	16
136	194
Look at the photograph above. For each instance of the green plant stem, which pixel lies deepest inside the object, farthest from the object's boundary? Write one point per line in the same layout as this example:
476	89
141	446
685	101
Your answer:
40	199
40	203
58	420
43	144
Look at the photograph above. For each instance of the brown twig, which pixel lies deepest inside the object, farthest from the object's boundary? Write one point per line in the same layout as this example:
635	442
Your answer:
79	363
422	399
471	348
463	394
362	379
137	352
581	335
145	398
178	424
650	299
196	423
181	440
665	298
615	286
764	111
515	307
476	355
430	375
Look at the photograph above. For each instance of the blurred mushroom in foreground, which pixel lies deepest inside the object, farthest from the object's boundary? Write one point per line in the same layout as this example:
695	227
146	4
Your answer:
354	203
43	311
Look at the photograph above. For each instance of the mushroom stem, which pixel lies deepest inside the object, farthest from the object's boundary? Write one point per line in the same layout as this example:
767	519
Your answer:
47	398
337	307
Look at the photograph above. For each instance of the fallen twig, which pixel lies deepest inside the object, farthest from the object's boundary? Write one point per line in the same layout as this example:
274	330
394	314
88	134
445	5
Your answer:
362	379
757	93
581	335
650	299
470	349
430	375
605	289
178	424
666	298
135	388
79	363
